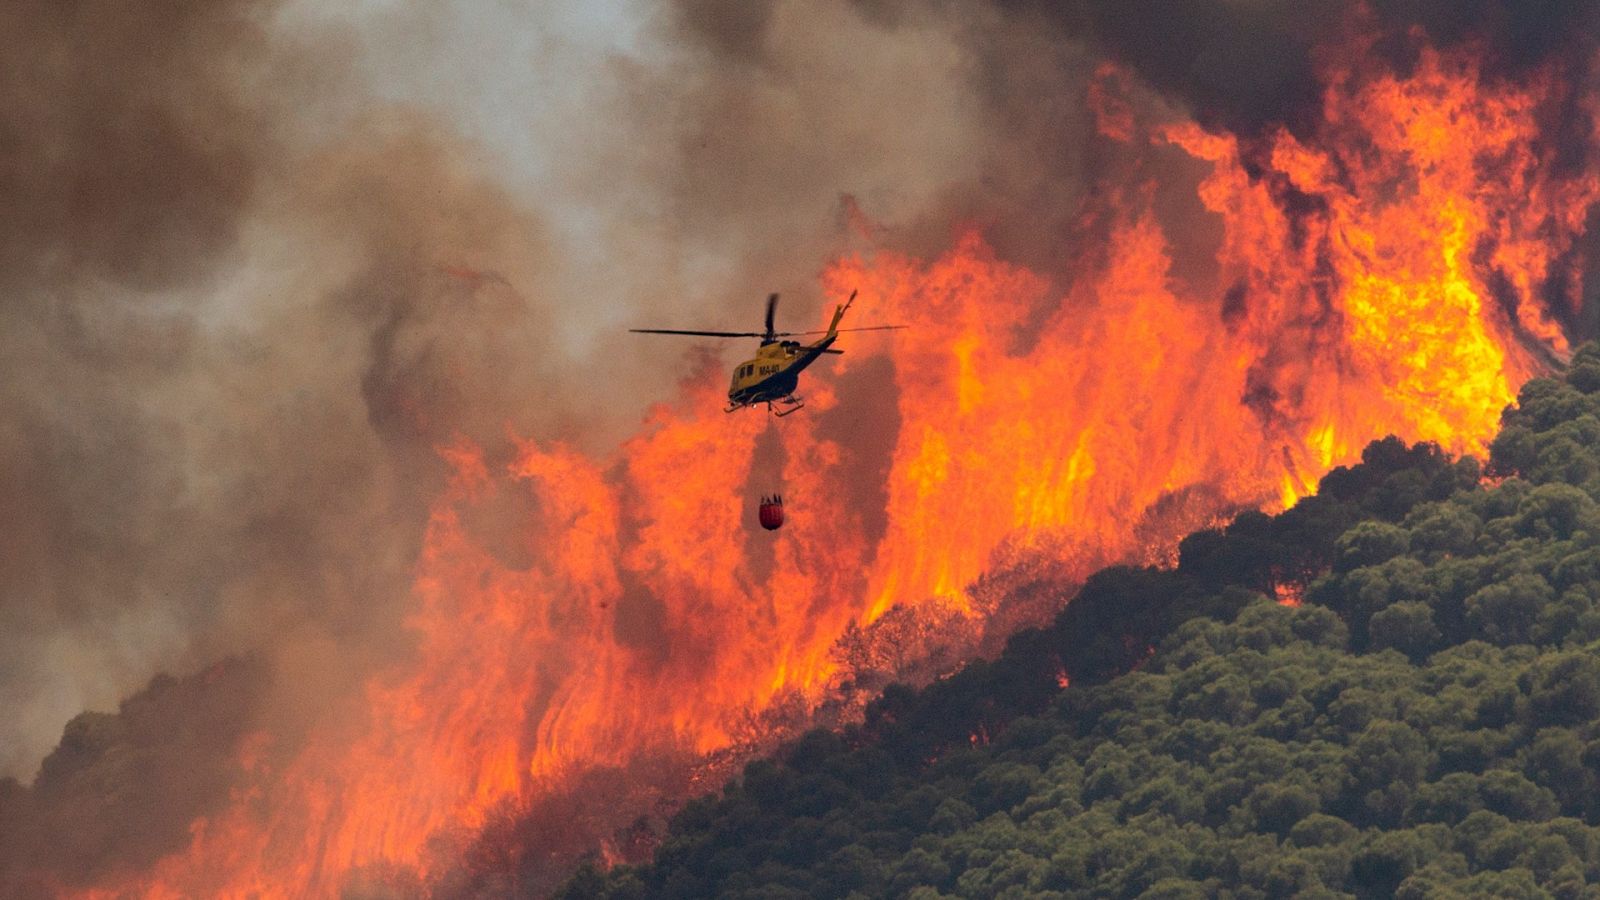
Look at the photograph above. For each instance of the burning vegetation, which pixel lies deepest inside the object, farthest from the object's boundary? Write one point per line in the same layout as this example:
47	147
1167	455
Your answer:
1422	724
1385	234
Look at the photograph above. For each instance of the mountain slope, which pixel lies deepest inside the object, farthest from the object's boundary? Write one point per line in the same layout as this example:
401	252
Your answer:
1422	723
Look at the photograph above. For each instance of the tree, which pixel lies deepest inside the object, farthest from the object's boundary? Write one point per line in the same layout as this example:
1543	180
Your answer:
1426	723
1407	627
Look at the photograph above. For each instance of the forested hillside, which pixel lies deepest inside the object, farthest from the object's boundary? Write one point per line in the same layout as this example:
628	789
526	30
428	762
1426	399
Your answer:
1422	724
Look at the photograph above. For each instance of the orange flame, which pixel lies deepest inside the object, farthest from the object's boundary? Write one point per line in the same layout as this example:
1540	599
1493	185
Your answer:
1380	277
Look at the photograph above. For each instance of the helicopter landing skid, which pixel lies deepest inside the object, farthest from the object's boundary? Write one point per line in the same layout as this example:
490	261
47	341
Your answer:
794	404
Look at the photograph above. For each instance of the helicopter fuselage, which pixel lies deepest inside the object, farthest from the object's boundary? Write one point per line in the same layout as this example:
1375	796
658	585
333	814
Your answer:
774	372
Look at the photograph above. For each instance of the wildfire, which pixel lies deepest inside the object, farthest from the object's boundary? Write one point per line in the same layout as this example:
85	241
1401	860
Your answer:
1383	275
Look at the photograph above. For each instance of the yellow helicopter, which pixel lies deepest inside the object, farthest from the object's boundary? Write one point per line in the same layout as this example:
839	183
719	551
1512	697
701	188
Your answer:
772	375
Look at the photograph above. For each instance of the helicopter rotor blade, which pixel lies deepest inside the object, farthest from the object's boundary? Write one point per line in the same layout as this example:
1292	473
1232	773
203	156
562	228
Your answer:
824	331
726	334
772	306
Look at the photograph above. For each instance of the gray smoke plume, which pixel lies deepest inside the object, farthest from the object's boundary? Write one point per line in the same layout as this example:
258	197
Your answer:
129	155
248	291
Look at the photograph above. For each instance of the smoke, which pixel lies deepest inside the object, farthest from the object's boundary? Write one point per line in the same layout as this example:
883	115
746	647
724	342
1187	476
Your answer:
121	790
1249	65
129	156
232	338
229	350
248	293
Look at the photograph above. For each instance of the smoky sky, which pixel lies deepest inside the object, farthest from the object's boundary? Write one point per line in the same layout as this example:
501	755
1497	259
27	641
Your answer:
247	293
232	338
1246	65
125	183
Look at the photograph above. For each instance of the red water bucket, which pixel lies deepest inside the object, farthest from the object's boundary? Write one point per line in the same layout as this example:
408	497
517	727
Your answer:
771	512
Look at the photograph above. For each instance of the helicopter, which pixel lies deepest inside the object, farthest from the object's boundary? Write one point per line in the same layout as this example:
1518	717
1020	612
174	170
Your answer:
773	374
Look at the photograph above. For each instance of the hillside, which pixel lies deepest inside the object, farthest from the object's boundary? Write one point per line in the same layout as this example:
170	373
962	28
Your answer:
1391	689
